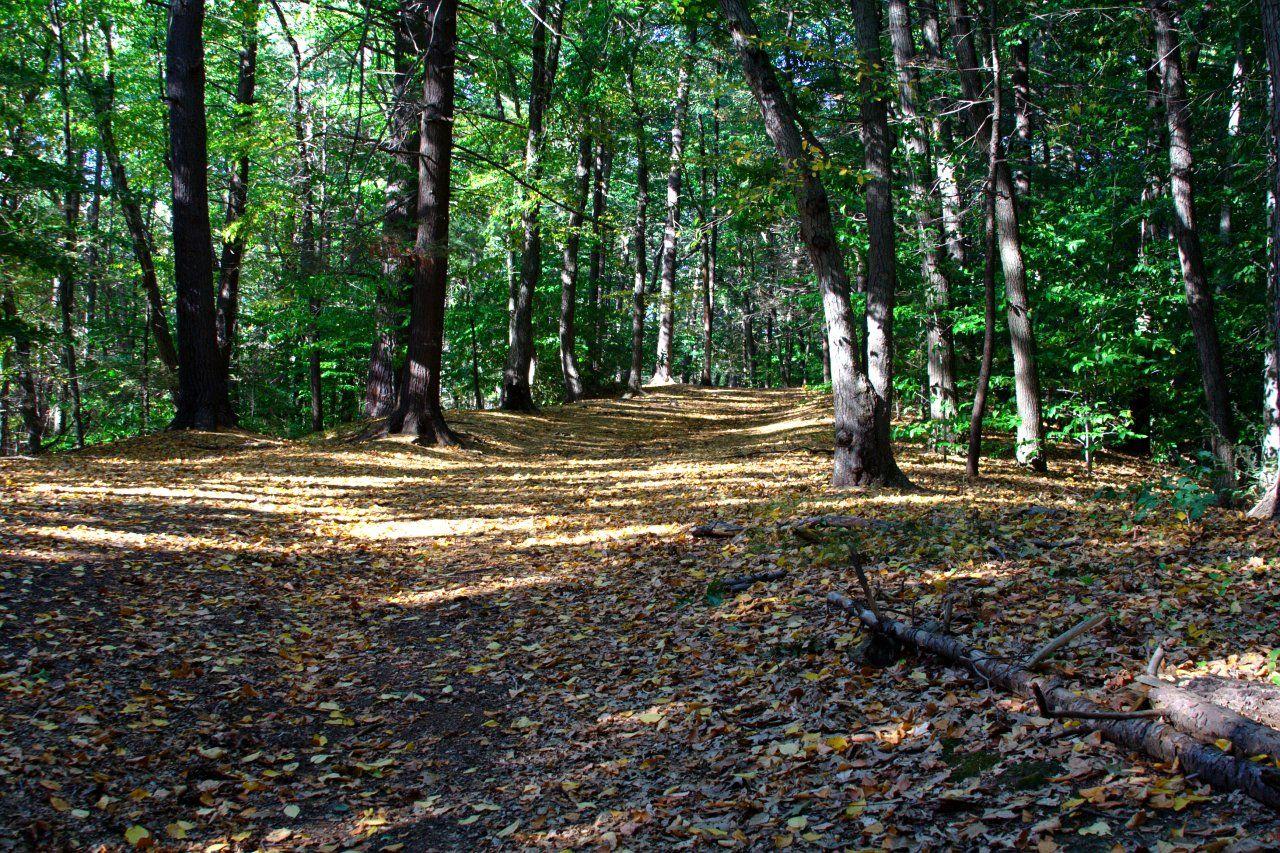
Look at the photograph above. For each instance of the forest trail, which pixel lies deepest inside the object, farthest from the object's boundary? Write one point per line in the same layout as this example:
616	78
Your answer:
229	640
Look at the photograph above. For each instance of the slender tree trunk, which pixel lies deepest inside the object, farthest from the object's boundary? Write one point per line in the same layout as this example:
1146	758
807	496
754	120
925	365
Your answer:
202	388
400	203
1269	506
603	165
233	246
1195	279
516	393
1235	111
862	454
476	390
102	101
419	410
635	374
932	233
1026	377
666	307
569	275
983	382
28	403
65	291
1020	80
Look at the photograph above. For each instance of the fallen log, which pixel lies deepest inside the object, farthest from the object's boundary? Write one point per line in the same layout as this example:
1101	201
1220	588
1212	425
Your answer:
717	530
1204	720
847	522
1252	699
1157	739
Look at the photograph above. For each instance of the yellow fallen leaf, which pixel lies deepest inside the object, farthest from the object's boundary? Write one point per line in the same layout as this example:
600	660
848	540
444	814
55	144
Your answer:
138	836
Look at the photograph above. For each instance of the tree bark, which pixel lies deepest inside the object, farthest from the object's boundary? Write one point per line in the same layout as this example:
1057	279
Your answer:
1200	302
666	293
102	101
202	389
940	107
233	245
516	393
419	410
1026	377
1020	81
932	233
65	291
862	453
569	275
29	402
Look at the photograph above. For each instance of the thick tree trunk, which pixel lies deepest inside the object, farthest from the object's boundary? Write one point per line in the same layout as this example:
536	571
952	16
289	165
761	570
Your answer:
603	166
28	402
400	202
635	378
862	454
932	234
419	410
1204	326
1269	506
202	388
102	101
1026	377
666	292
569	275
233	245
516	393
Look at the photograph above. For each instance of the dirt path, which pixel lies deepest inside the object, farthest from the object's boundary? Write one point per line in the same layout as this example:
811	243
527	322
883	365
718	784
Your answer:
228	642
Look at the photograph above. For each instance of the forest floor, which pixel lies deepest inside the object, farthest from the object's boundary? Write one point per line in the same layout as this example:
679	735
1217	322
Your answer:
227	642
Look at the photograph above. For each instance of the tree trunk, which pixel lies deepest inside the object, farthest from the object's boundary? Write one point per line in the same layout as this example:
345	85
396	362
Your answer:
233	245
1269	506
202	388
102	101
1235	111
635	374
28	404
940	107
862	453
983	382
400	203
419	410
932	233
666	306
569	275
1020	80
1195	280
516	393
603	166
65	291
1026	377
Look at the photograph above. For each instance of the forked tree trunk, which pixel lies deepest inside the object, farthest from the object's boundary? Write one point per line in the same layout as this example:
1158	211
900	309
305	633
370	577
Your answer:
862	456
569	275
1026	376
667	281
1195	280
932	233
419	410
202	388
233	245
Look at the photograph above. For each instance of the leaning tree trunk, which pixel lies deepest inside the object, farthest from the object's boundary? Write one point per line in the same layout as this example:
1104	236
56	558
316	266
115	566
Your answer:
1195	279
202	388
666	293
1269	506
1026	377
516	394
569	275
102	101
419	410
228	303
862	454
932	232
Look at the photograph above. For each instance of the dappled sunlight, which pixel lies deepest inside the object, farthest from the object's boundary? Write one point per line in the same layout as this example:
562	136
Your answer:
525	635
